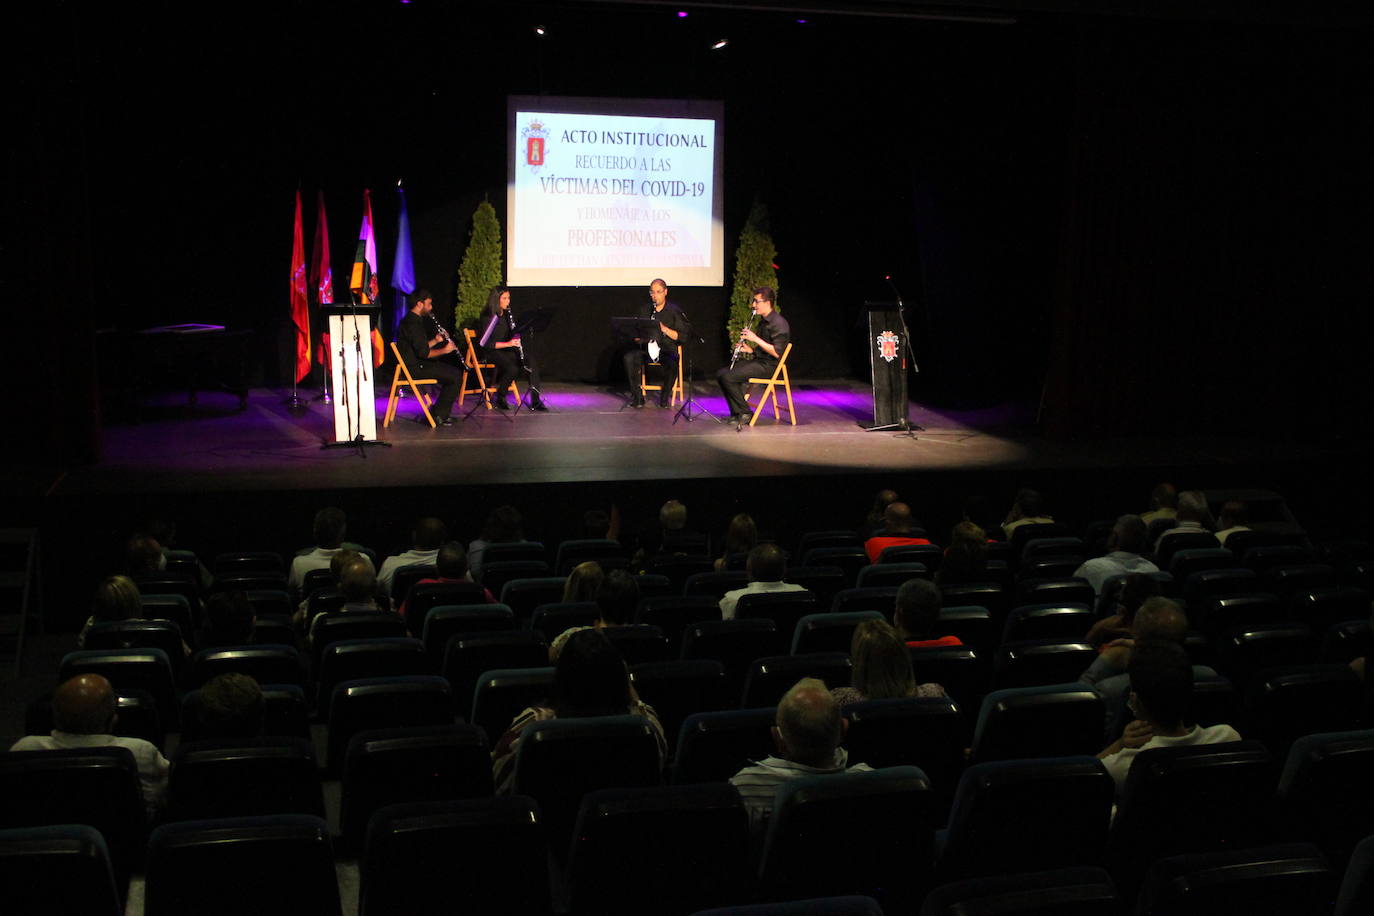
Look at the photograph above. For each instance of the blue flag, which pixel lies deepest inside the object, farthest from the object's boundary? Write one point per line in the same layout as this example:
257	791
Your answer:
403	268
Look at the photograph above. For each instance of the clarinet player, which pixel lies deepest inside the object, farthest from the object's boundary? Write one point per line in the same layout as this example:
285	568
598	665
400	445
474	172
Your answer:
424	355
757	354
504	348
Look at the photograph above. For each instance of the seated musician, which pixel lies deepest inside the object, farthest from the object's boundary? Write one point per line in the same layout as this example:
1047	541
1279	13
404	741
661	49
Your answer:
662	346
502	347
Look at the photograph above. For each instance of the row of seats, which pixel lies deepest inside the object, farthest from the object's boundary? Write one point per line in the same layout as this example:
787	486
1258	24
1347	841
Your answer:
592	812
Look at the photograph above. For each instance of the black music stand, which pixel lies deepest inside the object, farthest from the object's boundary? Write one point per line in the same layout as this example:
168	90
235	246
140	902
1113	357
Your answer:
689	400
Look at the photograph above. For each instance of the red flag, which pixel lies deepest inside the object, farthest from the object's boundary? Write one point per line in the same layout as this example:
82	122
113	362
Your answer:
321	275
300	303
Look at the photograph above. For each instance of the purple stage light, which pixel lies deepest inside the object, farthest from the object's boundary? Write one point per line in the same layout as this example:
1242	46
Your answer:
682	14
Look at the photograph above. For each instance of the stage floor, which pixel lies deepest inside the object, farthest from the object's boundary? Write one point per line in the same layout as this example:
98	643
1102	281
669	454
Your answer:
589	435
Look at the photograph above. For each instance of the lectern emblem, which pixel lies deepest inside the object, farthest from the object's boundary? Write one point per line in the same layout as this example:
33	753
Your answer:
887	345
535	136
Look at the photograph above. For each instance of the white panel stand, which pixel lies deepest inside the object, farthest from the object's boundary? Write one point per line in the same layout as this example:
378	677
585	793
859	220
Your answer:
355	406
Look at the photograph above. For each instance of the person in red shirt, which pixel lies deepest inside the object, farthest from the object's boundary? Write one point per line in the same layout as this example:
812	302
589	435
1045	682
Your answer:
898	529
917	616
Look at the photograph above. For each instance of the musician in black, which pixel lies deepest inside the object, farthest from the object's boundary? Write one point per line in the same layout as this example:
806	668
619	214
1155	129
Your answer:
759	351
504	349
672	324
423	348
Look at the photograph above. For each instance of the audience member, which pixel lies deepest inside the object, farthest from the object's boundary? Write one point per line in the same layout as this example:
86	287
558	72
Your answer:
329	527
966	557
1194	515
504	526
143	556
583	582
807	733
881	667
598	524
1158	620
84	713
1161	688
1163	504
979	509
1235	516
230	706
873	522
617	600
429	533
1136	589
164	531
116	598
231	621
451	565
899	529
590	679
741	537
765	567
917	615
1125	545
1028	509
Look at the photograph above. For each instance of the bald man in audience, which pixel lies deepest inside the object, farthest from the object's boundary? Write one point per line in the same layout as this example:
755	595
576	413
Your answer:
899	529
83	714
807	733
1158	620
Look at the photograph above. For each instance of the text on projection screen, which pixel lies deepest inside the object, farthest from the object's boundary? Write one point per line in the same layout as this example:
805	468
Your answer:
614	200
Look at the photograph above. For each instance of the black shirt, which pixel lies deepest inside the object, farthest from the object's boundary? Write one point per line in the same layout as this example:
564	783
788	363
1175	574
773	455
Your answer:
412	340
775	331
672	317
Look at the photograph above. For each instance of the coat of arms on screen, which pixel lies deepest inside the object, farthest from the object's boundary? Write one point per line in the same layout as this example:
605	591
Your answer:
887	345
536	135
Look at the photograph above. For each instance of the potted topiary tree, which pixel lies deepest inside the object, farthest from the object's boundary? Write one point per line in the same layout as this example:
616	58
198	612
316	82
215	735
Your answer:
480	270
753	268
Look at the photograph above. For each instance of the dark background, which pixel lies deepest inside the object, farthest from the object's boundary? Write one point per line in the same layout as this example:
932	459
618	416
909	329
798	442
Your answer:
1143	224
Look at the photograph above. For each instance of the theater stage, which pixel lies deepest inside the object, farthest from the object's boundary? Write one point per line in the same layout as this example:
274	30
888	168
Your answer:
590	435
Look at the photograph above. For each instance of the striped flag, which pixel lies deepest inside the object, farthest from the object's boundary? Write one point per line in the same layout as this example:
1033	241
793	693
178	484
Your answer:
363	281
300	302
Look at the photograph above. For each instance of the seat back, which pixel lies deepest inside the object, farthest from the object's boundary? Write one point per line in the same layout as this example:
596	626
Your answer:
926	733
713	746
118	635
496	575
229	866
560	760
891	574
810	812
714	584
829	632
674	613
879	598
501	694
1292	878
396	765
522	595
1080	891
677	689
639	643
95	786
404	579
785	609
1037	662
1048	621
59	869
233	563
1069	799
700	857
1284	704
552	619
348	626
961	671
355	659
384	702
736	644
266	664
1062	720
470	655
770	678
1324	793
825	582
411	850
425	597
244	777
445	621
973	625
849	559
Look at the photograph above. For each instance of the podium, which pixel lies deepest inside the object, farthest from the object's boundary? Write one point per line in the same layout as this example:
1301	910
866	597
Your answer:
887	358
350	338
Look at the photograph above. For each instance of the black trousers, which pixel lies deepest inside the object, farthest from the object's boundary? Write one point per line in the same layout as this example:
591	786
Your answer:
635	360
732	381
449	379
507	363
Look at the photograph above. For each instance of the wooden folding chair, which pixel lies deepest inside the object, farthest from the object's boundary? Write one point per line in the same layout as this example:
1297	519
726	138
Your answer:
473	365
414	383
779	377
645	388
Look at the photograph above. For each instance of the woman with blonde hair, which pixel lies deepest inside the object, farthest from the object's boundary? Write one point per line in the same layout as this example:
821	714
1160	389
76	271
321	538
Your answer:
583	582
966	557
881	667
741	537
116	598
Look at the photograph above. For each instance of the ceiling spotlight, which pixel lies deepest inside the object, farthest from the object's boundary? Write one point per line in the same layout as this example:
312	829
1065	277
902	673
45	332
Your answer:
539	30
720	44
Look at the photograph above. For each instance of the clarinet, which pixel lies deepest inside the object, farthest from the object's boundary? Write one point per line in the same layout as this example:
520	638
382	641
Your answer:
520	348
443	334
739	347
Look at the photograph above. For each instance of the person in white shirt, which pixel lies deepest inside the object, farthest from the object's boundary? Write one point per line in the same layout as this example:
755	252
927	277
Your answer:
83	714
429	533
1125	545
1161	688
765	565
